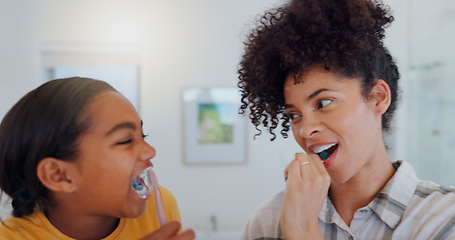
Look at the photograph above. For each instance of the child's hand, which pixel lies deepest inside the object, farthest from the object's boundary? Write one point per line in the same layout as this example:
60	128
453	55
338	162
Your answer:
169	231
306	188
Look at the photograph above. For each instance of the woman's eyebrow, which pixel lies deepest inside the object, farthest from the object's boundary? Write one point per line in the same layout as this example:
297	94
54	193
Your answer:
313	95
289	105
317	93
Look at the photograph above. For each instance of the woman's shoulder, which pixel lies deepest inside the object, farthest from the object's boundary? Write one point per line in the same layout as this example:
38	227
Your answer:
427	188
436	198
432	211
270	207
274	203
265	221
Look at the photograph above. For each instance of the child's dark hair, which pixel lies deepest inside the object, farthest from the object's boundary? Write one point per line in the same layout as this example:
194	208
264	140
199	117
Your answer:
343	36
46	122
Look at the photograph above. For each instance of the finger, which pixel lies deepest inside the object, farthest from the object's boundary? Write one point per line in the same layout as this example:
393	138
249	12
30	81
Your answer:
186	235
320	169
305	166
170	228
319	166
286	172
167	231
294	174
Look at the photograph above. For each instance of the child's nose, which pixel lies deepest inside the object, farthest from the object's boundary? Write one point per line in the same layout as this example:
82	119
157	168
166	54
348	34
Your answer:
148	152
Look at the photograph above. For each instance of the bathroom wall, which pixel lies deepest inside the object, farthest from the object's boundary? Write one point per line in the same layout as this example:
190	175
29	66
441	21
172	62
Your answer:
431	80
181	44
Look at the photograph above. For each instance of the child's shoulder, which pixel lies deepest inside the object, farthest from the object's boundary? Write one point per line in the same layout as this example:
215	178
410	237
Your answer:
166	193
29	227
171	209
167	198
15	224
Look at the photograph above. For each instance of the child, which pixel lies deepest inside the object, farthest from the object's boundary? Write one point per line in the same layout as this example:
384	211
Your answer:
69	152
320	67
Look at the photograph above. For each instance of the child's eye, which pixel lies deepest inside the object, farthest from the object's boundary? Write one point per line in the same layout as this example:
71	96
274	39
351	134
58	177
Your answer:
324	103
125	142
128	141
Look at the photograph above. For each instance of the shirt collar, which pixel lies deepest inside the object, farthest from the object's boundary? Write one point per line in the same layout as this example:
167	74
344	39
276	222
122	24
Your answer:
390	203
393	199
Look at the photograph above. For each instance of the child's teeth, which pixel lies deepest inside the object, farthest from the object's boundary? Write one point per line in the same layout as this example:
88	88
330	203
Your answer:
142	185
319	149
137	185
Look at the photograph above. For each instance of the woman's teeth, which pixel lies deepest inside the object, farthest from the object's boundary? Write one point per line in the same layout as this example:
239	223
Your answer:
324	151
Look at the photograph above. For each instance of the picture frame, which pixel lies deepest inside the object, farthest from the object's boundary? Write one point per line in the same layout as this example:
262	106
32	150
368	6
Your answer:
115	63
124	78
214	131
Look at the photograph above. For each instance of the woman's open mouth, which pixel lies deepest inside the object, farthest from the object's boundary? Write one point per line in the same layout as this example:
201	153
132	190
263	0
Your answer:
325	151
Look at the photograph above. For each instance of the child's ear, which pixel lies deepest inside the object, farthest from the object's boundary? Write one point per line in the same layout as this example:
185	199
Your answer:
381	96
55	175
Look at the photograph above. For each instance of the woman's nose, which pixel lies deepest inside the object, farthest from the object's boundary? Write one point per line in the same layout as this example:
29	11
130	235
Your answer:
310	127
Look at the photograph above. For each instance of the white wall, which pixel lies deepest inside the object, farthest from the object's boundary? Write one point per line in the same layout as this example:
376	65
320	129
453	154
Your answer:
432	132
397	39
182	43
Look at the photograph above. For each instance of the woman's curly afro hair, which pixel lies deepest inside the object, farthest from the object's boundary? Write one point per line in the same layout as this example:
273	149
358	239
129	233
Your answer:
343	36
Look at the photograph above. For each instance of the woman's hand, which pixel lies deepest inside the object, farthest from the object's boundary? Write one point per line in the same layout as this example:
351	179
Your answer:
307	186
169	231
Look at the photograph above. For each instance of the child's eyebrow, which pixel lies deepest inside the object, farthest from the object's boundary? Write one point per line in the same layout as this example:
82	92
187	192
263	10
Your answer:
128	125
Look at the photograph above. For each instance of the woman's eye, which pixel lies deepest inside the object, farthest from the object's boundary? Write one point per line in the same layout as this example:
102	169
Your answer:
324	103
292	116
144	136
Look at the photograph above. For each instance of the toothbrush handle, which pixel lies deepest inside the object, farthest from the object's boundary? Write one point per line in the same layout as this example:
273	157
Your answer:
159	206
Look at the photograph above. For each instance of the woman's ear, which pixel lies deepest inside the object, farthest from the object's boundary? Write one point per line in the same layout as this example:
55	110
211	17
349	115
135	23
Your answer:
381	96
55	175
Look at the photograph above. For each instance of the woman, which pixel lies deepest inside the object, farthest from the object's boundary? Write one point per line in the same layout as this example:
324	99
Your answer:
320	67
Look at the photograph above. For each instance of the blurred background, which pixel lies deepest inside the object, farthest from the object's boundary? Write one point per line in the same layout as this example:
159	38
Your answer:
151	50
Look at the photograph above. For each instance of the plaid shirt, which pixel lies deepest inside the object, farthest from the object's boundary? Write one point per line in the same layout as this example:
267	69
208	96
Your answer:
407	208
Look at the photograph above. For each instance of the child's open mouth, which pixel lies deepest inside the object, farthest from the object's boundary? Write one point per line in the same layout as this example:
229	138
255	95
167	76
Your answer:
325	151
142	184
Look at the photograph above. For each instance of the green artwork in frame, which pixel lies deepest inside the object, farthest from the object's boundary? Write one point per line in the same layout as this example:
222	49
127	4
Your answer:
213	123
214	132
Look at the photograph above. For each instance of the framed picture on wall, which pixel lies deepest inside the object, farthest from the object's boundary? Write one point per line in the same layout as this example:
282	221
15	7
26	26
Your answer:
214	131
124	78
116	63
